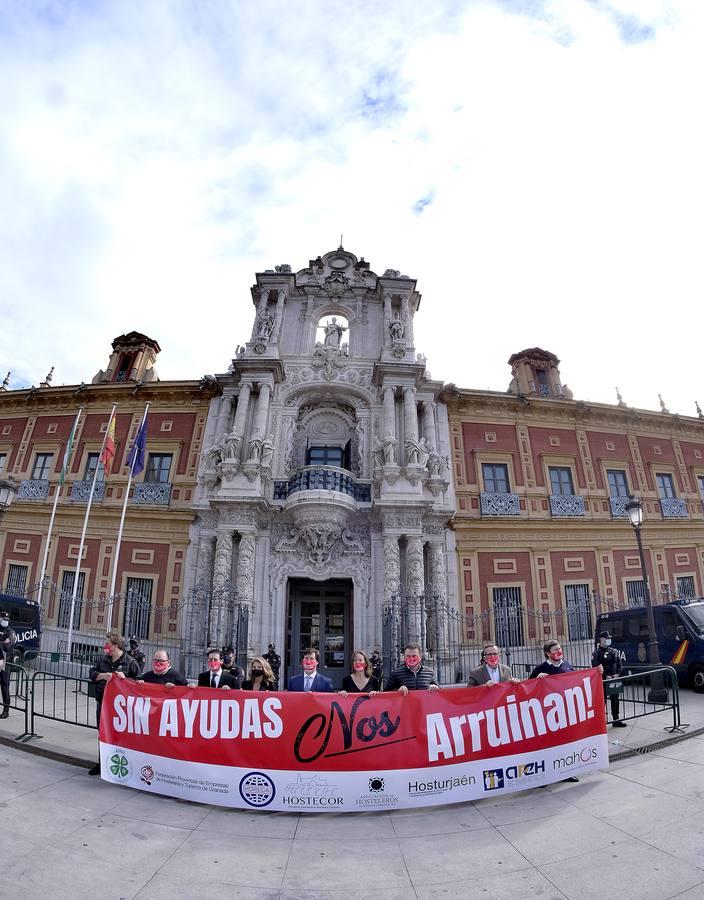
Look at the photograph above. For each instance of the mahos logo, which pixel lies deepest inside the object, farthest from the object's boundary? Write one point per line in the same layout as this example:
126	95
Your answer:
579	757
257	789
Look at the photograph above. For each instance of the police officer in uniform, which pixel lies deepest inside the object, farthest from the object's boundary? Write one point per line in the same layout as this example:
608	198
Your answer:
377	664
609	660
274	660
137	654
230	667
8	639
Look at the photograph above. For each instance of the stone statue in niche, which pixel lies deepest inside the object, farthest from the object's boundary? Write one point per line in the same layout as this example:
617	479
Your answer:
359	446
333	333
267	453
231	445
434	463
255	448
390	445
412	446
423	452
378	453
266	326
396	328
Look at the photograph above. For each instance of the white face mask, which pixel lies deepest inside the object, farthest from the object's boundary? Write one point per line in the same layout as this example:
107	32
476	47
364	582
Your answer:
605	642
4	623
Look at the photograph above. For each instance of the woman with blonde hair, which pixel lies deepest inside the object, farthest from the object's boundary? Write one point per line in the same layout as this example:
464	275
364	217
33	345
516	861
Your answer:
361	680
261	678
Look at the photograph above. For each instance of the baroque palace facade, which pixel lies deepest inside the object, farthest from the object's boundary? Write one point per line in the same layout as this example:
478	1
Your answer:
325	480
542	481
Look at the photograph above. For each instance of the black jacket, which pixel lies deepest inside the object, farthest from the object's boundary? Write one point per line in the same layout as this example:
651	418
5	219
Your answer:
351	688
414	681
225	680
609	659
8	639
235	672
124	663
266	685
550	669
171	677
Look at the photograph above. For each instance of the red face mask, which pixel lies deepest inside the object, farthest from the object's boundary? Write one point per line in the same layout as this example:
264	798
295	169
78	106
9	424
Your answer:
310	665
492	659
160	665
108	648
359	665
412	661
556	655
214	664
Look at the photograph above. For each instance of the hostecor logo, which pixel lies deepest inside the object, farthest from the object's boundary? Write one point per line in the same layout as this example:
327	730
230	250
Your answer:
257	789
493	779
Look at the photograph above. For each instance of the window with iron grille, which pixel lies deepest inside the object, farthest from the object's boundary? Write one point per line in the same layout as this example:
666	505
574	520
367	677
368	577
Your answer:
91	464
666	486
635	592
16	580
158	467
685	587
579	612
138	607
68	579
42	465
508	616
561	481
618	484
495	478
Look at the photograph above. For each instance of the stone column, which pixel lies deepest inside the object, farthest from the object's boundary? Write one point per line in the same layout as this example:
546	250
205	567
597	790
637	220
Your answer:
407	320
244	584
241	416
389	437
261	413
437	579
392	600
221	603
204	566
429	424
387	320
414	585
223	421
410	421
280	299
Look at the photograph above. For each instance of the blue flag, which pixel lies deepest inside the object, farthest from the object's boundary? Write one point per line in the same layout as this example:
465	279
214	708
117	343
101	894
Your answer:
135	460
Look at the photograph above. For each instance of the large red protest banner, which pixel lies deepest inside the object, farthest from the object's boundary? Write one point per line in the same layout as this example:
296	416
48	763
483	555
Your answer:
324	751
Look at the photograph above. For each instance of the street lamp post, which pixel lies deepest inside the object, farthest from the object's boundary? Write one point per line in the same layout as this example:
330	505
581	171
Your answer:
657	693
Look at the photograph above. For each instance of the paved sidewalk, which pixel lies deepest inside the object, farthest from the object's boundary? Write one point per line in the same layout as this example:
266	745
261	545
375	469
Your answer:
634	832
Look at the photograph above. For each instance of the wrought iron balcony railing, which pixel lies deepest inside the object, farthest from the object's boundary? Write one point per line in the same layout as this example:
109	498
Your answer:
323	478
618	507
80	491
500	504
154	493
673	508
564	506
33	489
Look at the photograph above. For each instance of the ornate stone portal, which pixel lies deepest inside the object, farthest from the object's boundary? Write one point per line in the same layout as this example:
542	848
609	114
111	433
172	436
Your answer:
327	458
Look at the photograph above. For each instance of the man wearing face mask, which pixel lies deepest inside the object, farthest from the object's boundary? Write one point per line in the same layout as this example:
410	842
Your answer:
310	679
162	673
412	675
216	676
137	654
609	662
492	671
115	664
230	667
8	639
554	663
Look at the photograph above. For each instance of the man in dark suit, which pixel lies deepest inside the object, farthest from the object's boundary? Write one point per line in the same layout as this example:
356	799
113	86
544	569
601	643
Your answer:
310	679
216	676
491	671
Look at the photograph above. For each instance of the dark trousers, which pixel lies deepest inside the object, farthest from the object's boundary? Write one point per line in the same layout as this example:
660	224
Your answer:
5	686
613	699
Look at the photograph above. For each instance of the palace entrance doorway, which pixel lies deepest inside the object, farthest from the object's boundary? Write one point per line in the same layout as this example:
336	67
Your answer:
319	616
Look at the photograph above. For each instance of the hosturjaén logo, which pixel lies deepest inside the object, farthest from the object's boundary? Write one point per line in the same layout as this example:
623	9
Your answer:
257	789
119	765
376	785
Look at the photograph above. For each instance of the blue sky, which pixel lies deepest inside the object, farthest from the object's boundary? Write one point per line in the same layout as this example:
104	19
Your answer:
536	165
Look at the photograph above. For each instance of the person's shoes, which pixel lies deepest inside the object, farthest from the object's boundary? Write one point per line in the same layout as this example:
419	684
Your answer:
5	714
619	724
572	778
95	770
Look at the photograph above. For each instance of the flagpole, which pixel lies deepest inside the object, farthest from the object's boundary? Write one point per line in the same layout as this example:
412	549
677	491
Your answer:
83	533
116	555
64	468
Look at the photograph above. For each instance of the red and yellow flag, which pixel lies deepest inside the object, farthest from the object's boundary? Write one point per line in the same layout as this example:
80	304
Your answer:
108	454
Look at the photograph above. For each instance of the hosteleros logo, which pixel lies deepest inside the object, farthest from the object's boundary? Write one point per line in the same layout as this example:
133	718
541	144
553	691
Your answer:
376	795
495	779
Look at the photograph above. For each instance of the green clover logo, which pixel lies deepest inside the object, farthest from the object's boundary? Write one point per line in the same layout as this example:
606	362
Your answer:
119	765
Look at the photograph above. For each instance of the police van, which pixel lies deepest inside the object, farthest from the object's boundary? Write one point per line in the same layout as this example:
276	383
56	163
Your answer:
25	618
679	627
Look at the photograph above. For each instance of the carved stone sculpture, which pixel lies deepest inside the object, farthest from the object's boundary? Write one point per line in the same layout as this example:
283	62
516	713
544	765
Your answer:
254	449
267	453
266	326
396	328
333	333
390	445
230	447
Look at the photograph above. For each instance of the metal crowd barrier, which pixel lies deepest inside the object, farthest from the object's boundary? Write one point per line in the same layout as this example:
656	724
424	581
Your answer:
61	698
644	692
19	690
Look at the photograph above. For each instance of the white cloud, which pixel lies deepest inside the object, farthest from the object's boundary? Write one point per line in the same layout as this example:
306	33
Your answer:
154	156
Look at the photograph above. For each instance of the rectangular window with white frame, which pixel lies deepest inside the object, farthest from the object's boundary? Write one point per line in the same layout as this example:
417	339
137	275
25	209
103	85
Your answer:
158	468
666	485
3	460
16	580
93	462
618	483
68	580
561	483
42	466
495	476
685	587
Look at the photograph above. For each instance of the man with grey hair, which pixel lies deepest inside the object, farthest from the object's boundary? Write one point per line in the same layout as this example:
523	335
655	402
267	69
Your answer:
162	672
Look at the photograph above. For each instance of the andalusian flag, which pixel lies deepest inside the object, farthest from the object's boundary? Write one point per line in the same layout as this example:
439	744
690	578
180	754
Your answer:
108	454
69	448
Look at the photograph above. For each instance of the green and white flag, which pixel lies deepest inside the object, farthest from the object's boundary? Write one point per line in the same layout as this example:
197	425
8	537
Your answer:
69	448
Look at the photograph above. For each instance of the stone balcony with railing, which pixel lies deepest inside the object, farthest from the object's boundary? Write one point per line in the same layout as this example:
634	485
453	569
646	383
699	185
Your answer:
33	489
566	506
152	493
80	491
495	505
618	507
323	478
673	508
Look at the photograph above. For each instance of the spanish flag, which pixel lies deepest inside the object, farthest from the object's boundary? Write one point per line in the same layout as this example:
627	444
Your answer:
108	454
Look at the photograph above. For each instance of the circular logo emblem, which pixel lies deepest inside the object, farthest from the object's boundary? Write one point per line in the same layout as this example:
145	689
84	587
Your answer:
257	789
376	785
147	774
119	765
